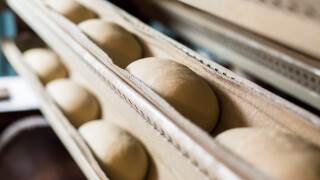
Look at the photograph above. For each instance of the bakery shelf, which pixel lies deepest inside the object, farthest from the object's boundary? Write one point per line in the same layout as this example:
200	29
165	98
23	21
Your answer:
177	148
286	69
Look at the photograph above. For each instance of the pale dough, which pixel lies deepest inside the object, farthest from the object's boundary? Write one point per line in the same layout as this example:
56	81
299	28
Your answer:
77	103
120	45
181	87
279	155
120	154
71	9
45	63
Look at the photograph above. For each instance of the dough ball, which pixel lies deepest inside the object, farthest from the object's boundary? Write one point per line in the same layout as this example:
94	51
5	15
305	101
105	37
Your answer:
45	63
71	9
121	46
121	155
279	155
181	87
78	104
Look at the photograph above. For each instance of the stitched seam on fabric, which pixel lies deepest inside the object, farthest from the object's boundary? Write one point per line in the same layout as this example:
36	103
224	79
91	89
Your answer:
297	74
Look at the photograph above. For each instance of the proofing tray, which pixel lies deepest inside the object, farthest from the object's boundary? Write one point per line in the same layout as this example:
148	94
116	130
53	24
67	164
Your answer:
178	148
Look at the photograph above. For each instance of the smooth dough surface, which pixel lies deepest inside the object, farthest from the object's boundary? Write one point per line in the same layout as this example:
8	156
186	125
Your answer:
121	155
121	46
45	63
181	87
71	9
279	155
77	103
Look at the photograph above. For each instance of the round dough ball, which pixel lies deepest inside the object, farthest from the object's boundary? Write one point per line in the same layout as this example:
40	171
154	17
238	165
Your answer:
71	9
277	154
121	46
45	63
121	155
78	104
181	87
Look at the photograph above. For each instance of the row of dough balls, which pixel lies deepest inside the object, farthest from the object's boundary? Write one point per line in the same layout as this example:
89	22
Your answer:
77	103
187	92
275	153
116	150
177	84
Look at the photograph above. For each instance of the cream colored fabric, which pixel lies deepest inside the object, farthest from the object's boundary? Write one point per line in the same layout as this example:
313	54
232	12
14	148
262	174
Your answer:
121	156
279	155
